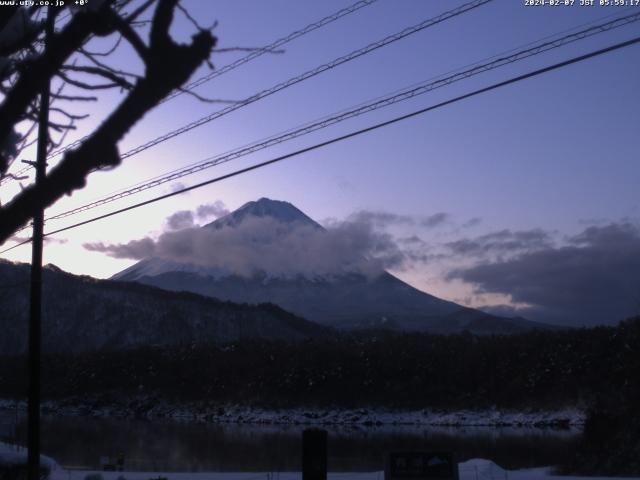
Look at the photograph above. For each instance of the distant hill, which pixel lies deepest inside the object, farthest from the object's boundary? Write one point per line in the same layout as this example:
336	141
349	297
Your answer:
82	314
345	300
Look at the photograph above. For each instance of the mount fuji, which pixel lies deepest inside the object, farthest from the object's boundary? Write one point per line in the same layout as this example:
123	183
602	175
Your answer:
343	298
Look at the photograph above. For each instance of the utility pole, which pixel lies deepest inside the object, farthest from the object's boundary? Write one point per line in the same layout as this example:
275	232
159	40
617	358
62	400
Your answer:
35	313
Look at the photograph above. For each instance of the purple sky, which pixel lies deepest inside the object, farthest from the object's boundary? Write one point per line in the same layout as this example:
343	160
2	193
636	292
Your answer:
557	154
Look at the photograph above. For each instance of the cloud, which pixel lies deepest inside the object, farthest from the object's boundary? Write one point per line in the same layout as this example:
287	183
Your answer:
216	209
592	221
59	241
412	240
501	242
135	249
187	218
615	235
263	244
180	220
382	219
472	222
434	220
593	278
174	187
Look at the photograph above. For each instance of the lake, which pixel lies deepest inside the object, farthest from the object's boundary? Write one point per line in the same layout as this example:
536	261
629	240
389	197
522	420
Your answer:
186	446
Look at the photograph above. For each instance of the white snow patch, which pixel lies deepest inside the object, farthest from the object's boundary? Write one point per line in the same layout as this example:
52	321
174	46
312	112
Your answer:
17	455
481	468
476	469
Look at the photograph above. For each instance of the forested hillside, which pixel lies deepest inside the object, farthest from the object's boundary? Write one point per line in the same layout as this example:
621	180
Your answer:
540	369
82	313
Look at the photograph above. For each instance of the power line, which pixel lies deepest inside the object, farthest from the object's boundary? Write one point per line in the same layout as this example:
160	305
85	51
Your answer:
271	47
498	55
19	173
233	65
377	126
325	122
279	43
294	80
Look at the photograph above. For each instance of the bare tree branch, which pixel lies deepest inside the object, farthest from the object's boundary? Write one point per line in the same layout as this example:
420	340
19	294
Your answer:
75	98
130	35
70	116
194	22
20	42
35	72
168	66
87	86
105	53
104	66
102	72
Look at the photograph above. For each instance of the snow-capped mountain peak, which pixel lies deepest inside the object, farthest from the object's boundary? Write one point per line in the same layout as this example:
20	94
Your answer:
283	212
269	251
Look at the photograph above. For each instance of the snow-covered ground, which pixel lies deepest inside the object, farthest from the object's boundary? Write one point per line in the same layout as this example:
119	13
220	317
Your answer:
558	418
147	408
476	469
14	455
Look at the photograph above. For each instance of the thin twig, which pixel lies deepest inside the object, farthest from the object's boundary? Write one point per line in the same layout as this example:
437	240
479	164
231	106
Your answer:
209	100
106	53
194	22
102	72
87	86
75	98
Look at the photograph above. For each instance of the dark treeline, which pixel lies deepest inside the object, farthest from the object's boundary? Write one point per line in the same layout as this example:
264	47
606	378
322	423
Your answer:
597	369
541	369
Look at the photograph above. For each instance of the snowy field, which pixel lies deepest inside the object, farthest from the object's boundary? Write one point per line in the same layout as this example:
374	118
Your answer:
476	469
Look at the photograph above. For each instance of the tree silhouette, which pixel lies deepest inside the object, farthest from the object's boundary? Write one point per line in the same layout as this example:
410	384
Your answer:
25	66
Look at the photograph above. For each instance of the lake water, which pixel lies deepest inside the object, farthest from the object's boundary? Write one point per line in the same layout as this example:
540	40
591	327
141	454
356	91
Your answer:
182	446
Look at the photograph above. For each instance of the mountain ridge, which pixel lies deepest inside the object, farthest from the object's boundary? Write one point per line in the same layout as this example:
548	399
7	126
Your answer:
82	313
344	300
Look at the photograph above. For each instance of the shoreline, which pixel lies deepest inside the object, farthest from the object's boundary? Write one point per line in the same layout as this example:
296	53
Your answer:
144	408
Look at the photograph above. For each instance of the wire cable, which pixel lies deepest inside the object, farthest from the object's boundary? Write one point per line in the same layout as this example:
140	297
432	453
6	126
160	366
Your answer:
348	114
503	53
241	61
11	176
293	80
334	140
271	47
307	29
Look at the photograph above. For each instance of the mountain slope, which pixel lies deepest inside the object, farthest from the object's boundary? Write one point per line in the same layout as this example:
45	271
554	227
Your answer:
344	300
83	313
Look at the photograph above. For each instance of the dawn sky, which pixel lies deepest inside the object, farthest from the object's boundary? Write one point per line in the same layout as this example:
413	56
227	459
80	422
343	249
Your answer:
531	189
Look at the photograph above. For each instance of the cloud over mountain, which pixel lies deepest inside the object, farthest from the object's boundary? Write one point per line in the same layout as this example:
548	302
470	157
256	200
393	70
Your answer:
265	244
588	278
277	239
187	218
593	278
